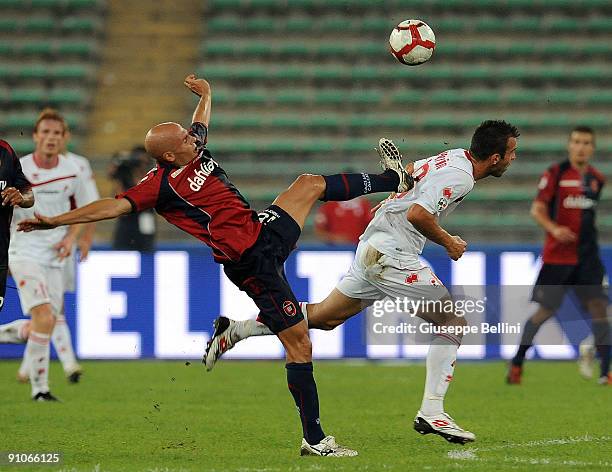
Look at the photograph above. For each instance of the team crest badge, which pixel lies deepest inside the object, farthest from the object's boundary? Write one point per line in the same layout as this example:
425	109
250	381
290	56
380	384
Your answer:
289	308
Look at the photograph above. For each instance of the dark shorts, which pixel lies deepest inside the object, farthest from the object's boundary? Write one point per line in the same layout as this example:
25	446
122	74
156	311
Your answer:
260	273
3	275
586	279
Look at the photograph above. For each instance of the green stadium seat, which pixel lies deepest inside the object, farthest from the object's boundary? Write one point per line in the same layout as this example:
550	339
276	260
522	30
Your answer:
38	48
80	25
299	24
6	48
261	24
564	25
600	24
31	96
66	96
40	4
224	23
39	25
331	96
289	97
408	96
76	48
71	71
251	97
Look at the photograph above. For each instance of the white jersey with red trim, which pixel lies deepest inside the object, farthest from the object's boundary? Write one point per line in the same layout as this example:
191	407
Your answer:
53	189
442	181
89	181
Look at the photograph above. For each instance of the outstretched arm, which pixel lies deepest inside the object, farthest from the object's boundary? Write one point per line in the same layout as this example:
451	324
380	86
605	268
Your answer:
202	89
103	209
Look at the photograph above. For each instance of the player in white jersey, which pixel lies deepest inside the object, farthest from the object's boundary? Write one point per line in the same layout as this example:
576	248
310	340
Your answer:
61	338
387	263
37	260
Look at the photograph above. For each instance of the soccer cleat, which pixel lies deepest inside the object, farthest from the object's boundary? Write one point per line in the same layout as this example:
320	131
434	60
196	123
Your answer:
605	380
586	357
75	376
327	447
442	425
515	372
391	158
45	397
220	342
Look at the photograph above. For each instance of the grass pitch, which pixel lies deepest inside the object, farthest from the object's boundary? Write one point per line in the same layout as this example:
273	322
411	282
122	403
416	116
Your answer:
169	416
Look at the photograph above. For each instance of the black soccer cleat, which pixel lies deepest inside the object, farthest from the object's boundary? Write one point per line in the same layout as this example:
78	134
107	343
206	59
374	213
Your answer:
75	377
45	397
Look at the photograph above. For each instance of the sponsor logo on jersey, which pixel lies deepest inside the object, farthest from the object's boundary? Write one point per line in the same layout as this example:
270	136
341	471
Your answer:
2	184
579	202
201	174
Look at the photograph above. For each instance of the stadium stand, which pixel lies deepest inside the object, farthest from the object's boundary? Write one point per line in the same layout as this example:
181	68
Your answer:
309	86
48	57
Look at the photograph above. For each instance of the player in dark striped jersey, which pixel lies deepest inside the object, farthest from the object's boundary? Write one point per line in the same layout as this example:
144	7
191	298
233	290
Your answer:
565	208
191	190
15	190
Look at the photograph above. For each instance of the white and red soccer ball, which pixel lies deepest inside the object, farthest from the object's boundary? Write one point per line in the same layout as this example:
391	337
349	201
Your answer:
412	42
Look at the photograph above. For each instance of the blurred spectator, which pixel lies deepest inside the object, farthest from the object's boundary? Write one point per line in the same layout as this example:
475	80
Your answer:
135	231
342	222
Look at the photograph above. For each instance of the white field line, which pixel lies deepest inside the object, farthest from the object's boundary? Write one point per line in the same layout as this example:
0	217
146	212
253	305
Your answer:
470	453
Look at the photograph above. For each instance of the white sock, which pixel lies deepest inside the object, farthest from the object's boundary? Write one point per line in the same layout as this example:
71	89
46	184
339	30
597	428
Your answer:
13	332
63	345
37	349
247	328
440	366
24	368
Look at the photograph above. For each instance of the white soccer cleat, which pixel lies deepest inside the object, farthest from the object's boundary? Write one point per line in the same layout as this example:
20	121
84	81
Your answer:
442	425
328	447
222	341
391	158
586	357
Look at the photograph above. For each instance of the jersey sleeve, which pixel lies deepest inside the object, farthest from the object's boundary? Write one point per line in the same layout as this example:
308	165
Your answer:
444	188
145	194
200	132
89	188
546	185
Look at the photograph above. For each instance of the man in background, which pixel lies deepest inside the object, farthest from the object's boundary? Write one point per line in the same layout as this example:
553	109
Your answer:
342	222
134	231
565	209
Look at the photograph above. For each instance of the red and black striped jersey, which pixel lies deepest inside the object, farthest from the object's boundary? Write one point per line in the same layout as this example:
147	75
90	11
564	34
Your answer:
199	199
11	175
571	197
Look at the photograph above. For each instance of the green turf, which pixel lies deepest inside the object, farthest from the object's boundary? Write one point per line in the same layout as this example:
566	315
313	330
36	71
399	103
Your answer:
168	416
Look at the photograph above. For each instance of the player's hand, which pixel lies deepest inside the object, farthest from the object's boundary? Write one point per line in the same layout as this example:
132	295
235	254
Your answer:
197	86
84	245
564	235
11	197
36	223
64	247
456	247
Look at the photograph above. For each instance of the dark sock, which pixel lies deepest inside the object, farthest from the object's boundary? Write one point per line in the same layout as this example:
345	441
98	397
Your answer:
304	390
529	333
340	187
601	332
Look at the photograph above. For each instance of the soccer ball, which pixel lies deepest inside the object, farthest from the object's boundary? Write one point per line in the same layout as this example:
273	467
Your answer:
412	42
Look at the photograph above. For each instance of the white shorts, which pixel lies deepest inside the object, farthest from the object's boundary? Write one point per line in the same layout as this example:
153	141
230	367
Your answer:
38	284
69	272
374	276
